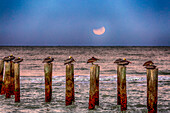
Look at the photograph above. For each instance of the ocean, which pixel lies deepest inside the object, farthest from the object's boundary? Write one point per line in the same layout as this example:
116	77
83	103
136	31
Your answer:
33	84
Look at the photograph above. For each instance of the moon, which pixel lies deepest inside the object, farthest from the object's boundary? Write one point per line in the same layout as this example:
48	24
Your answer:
99	31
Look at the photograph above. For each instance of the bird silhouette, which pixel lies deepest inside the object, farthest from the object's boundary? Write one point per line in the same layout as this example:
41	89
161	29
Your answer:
69	60
123	62
92	60
18	60
48	60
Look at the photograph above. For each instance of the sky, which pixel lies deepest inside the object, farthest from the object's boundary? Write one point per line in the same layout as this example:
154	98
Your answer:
71	22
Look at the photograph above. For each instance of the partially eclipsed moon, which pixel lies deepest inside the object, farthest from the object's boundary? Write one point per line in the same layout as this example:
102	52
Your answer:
99	31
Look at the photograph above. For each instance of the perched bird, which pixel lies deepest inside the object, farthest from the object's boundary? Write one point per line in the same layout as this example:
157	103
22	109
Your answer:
48	60
124	62
18	60
117	60
9	58
148	63
12	57
69	60
91	60
151	66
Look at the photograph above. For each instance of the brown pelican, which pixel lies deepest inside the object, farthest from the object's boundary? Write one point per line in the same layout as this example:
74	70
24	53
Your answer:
18	60
69	60
8	58
151	66
91	60
148	63
117	60
48	60
124	62
12	57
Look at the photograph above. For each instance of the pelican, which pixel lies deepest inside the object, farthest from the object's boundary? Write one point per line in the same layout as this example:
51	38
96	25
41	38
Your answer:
148	63
117	60
124	62
12	57
48	60
91	60
18	60
69	60
9	58
151	66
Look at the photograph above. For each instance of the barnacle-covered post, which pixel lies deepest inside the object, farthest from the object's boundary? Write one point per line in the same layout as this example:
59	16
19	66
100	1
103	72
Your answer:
17	78
121	83
152	86
94	83
69	94
1	73
48	78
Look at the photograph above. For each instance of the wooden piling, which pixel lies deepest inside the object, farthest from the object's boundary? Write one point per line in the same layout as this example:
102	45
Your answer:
12	78
1	73
118	85
8	79
48	81
3	86
17	81
148	78
152	90
123	96
69	96
97	85
92	92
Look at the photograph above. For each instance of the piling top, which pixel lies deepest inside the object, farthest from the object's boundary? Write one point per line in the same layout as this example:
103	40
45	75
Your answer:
48	60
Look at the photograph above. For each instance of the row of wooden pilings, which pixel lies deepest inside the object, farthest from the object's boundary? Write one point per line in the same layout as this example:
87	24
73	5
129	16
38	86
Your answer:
11	84
152	86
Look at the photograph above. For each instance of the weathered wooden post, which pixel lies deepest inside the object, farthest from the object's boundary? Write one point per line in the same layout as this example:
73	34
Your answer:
16	67
148	73
152	90
17	81
92	92
97	85
8	79
152	86
48	81
118	85
69	96
123	96
121	83
12	78
1	73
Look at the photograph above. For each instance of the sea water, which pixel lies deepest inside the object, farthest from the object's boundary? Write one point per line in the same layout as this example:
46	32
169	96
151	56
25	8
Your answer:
33	87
